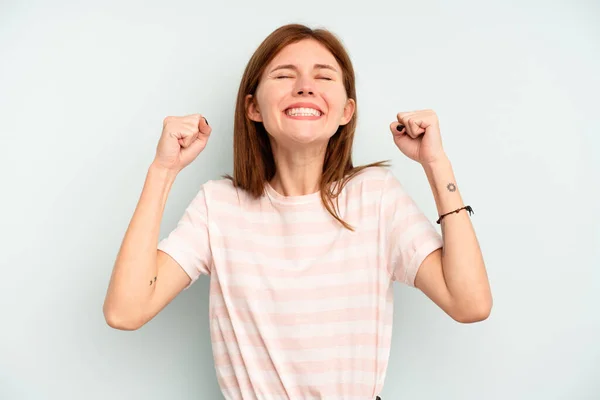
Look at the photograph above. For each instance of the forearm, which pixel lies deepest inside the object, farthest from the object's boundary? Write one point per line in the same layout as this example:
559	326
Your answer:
131	283
462	261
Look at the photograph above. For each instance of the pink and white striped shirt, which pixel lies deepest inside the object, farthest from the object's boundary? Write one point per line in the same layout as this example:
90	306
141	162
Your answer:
301	307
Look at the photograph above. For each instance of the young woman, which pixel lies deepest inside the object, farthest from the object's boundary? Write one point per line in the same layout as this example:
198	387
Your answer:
301	247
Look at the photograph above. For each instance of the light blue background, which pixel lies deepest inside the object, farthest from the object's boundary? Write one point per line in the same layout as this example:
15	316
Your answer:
84	87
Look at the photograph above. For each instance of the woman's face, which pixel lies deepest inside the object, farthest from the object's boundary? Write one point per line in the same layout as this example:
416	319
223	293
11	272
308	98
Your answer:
301	97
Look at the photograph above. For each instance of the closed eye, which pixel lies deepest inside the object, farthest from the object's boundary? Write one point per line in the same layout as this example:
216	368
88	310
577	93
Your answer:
321	77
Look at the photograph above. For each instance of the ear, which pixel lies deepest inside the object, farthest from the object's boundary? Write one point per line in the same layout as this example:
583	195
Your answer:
349	109
252	110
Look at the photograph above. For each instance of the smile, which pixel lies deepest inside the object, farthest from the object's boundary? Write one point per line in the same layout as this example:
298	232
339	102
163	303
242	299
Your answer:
303	112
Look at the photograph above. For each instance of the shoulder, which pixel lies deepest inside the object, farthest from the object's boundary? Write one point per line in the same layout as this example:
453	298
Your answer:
221	188
222	192
377	183
223	185
366	186
371	178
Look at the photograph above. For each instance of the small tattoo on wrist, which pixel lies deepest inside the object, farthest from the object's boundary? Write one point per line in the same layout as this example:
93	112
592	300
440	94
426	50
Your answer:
451	187
152	281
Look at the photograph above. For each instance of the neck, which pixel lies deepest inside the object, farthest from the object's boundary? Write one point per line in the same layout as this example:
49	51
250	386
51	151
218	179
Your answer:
298	173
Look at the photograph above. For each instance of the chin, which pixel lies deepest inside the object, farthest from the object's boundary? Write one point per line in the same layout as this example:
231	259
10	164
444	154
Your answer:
294	136
306	138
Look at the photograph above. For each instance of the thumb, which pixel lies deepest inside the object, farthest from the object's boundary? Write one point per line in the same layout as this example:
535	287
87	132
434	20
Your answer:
398	129
203	126
402	139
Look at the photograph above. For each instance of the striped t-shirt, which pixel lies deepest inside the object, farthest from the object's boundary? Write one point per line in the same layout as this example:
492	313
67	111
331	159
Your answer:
300	306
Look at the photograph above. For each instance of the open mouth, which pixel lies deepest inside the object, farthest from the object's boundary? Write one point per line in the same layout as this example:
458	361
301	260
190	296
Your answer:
303	112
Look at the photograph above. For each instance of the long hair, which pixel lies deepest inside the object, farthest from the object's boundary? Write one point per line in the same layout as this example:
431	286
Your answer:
253	162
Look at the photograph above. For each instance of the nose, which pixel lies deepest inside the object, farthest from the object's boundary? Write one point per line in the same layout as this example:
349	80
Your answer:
304	86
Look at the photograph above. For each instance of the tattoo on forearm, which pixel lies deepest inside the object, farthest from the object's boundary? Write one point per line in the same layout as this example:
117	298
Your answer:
451	187
152	281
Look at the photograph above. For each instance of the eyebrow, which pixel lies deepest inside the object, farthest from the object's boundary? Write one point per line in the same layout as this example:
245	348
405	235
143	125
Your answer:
295	68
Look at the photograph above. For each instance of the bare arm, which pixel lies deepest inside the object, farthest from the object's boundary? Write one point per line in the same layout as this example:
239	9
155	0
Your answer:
454	277
144	280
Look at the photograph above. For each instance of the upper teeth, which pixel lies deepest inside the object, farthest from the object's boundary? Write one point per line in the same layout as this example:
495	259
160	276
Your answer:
303	111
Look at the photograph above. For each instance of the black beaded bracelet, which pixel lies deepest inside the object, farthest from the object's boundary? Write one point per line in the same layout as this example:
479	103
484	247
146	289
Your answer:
468	208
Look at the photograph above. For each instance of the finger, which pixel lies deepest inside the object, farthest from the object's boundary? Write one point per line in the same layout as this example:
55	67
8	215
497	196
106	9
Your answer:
406	121
423	124
404	118
397	128
419	126
191	126
401	137
204	127
188	137
194	148
195	121
413	127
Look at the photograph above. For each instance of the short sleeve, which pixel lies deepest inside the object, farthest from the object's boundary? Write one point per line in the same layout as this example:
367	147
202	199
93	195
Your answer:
188	243
411	236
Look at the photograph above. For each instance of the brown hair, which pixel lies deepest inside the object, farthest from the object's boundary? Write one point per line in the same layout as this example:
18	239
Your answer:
253	163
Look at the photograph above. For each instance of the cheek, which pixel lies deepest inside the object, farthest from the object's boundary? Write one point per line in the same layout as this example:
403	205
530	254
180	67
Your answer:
336	100
270	102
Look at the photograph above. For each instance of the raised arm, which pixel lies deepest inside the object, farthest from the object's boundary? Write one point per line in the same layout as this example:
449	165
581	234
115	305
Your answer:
454	277
144	280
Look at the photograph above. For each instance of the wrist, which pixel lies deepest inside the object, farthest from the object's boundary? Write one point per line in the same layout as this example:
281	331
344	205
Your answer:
162	172
442	162
443	185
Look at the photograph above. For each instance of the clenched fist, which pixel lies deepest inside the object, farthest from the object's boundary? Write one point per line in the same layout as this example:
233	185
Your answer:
182	139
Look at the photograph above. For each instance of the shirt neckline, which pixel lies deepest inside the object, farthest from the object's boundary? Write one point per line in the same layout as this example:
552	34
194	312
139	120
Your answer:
292	200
